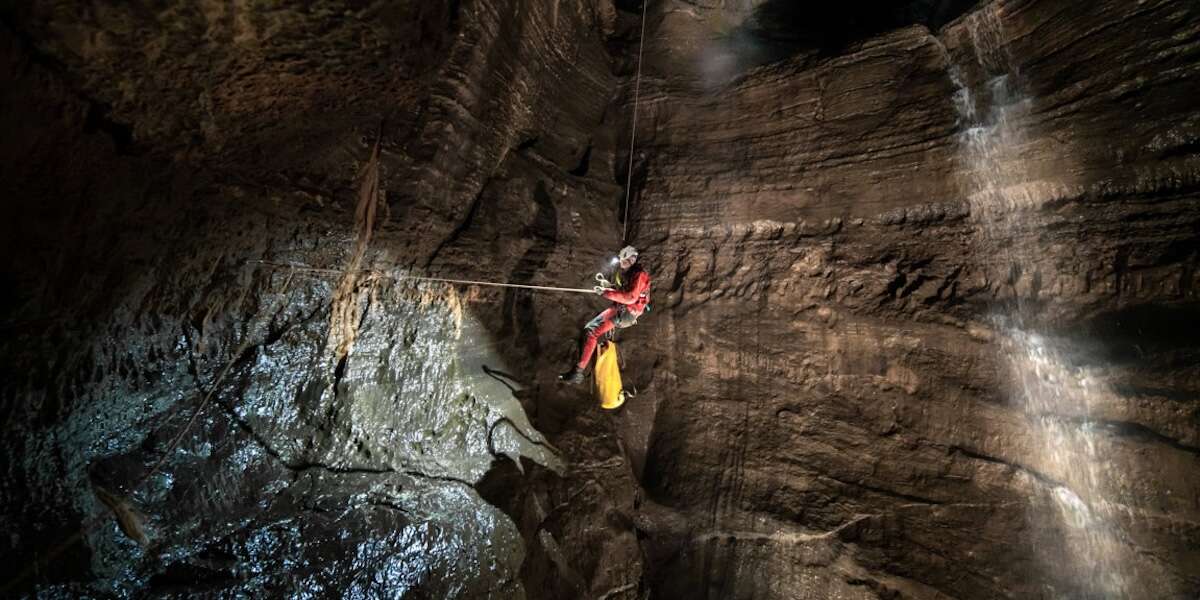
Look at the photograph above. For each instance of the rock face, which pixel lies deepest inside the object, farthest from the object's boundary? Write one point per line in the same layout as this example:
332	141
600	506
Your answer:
852	404
925	287
267	430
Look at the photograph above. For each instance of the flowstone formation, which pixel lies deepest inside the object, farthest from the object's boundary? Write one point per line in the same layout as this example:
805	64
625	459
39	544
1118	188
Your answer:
924	280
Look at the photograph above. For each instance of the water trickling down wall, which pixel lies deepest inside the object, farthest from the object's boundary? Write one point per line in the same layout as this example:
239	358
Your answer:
1078	488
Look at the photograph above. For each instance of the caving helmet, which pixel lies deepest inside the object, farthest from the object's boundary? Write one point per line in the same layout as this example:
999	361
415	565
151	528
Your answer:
627	256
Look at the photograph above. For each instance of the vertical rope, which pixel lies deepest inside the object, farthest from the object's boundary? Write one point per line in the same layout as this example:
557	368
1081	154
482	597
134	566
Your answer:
637	89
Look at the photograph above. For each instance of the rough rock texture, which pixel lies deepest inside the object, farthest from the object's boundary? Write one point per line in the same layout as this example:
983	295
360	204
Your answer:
925	276
838	414
160	165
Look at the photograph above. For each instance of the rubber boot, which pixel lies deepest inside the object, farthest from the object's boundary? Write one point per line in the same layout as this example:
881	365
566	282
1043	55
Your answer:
575	375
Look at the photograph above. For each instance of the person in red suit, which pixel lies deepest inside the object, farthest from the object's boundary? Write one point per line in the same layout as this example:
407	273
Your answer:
630	297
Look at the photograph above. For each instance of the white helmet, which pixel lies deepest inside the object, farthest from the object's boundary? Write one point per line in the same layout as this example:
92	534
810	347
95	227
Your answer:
627	252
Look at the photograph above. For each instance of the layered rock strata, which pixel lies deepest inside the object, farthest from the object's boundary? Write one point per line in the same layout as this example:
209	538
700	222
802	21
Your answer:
830	395
837	413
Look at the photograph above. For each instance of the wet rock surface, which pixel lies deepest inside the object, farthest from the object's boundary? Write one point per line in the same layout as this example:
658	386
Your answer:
163	352
203	398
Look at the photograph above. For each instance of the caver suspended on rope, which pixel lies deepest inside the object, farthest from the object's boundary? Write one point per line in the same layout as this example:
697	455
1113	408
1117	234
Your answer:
630	295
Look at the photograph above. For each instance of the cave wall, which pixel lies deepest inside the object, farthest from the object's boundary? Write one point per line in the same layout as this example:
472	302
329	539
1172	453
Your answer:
165	166
835	411
826	403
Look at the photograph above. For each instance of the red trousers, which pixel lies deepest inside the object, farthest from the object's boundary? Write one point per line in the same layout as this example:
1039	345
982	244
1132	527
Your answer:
614	316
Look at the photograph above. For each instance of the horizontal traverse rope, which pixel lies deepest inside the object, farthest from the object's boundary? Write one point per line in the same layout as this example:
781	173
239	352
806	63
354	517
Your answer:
381	273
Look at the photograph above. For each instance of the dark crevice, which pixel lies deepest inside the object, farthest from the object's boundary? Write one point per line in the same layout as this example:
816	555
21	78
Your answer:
581	169
527	144
340	371
1138	432
28	46
894	286
1190	148
97	120
1128	335
1012	465
914	285
1182	396
632	187
460	229
187	579
518	308
455	13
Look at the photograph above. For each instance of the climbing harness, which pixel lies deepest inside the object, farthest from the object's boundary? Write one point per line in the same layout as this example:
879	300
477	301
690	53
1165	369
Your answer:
637	90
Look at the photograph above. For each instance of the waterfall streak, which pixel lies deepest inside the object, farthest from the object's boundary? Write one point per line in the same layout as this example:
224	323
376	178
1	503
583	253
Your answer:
992	107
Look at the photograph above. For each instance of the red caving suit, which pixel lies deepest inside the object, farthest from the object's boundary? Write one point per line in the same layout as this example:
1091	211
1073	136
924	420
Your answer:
628	303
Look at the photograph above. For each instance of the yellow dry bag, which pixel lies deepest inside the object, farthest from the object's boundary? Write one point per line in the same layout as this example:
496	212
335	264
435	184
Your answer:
608	378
